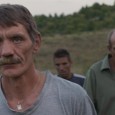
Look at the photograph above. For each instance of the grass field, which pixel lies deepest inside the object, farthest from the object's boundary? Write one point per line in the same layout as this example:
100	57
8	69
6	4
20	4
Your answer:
85	49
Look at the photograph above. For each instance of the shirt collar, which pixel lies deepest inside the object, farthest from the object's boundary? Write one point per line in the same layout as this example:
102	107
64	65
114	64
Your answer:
105	63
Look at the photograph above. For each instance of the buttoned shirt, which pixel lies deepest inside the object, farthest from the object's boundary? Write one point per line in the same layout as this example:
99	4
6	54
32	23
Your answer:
100	85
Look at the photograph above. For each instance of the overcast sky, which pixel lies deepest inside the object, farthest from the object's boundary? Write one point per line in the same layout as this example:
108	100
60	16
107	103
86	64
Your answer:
46	7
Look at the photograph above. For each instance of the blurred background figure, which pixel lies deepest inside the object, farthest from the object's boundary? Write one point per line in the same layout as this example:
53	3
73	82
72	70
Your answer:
62	61
100	81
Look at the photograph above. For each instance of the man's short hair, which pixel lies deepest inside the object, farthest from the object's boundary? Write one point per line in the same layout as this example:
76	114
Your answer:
62	53
10	15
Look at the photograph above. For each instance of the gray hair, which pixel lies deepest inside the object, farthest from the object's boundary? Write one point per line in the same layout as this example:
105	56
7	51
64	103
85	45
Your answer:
10	15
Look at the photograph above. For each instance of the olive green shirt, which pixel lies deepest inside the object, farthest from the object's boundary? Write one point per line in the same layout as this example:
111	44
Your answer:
100	85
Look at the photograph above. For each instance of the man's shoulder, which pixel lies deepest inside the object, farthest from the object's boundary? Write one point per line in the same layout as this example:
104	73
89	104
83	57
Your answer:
97	64
64	85
69	87
66	90
78	76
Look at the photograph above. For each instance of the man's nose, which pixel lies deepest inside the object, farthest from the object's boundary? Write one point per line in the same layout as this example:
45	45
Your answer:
61	67
6	49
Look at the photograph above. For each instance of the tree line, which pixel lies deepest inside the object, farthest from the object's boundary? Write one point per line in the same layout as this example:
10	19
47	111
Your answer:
95	17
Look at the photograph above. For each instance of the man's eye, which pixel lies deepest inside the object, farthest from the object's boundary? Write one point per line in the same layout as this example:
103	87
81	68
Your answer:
64	63
1	40
57	65
17	39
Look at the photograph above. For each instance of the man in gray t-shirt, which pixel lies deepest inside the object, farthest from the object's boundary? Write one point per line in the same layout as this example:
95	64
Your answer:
25	90
58	97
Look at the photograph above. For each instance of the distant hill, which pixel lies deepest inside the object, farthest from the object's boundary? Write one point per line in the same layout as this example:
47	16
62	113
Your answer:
88	19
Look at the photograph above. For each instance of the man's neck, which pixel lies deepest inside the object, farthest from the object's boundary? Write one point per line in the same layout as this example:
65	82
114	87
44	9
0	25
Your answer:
22	91
112	64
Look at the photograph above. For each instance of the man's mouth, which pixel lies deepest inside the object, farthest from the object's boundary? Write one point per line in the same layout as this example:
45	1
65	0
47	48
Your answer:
8	61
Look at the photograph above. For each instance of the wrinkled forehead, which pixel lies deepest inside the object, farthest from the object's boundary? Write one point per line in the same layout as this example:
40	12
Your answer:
17	30
8	25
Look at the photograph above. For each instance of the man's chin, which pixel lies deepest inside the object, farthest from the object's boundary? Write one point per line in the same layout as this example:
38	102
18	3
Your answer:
64	76
9	73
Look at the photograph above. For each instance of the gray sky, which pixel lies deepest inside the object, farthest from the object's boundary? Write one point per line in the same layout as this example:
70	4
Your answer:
46	7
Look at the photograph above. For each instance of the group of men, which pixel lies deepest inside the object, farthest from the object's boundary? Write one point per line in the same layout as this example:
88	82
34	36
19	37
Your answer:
99	81
24	90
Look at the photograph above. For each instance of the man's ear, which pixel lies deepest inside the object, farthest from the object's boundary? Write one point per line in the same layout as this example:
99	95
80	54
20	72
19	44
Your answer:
37	44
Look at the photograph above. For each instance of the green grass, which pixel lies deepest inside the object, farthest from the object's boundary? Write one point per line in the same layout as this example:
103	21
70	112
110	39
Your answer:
85	49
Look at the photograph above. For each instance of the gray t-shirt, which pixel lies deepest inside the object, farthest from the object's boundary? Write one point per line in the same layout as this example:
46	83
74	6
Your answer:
58	97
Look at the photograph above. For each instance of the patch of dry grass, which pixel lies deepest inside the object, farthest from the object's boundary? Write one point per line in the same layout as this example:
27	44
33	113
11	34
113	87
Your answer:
85	49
